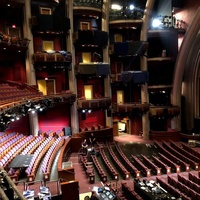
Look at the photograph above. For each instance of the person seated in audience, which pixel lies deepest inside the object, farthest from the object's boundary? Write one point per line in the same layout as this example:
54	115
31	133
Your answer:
84	146
11	172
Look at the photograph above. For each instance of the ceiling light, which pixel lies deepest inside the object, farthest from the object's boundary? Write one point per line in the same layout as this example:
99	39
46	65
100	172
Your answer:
116	7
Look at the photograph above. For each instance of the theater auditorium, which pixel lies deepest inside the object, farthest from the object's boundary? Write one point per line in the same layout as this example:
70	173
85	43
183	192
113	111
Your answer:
99	99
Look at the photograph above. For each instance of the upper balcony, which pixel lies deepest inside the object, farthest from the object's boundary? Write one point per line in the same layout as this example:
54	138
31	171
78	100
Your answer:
88	7
90	38
164	111
53	59
13	43
129	48
93	69
95	103
131	107
124	17
49	24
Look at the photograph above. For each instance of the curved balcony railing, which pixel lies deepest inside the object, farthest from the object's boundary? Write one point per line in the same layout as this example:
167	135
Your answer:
13	40
58	59
132	107
164	111
88	3
126	14
102	102
95	69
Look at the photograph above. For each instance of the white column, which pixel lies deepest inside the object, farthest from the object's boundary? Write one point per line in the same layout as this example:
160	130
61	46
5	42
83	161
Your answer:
105	27
33	123
30	71
72	78
143	64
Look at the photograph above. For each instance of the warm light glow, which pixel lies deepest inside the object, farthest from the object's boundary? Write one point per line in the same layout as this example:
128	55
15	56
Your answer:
88	91
116	7
13	26
120	96
86	56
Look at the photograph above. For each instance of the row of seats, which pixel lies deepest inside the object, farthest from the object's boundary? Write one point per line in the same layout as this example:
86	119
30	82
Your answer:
6	148
88	168
190	150
50	156
175	167
128	163
189	183
151	165
99	169
183	157
181	150
5	137
13	152
143	168
37	156
183	188
109	166
172	157
92	128
33	145
194	178
171	189
120	166
129	192
164	167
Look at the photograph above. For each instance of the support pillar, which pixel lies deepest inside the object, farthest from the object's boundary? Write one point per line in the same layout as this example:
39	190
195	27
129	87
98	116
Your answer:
105	27
72	78
143	63
30	71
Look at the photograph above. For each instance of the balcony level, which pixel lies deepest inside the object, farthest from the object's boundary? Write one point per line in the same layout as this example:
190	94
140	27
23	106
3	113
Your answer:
53	59
88	7
91	38
164	111
13	43
129	48
95	103
93	69
49	24
130	108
